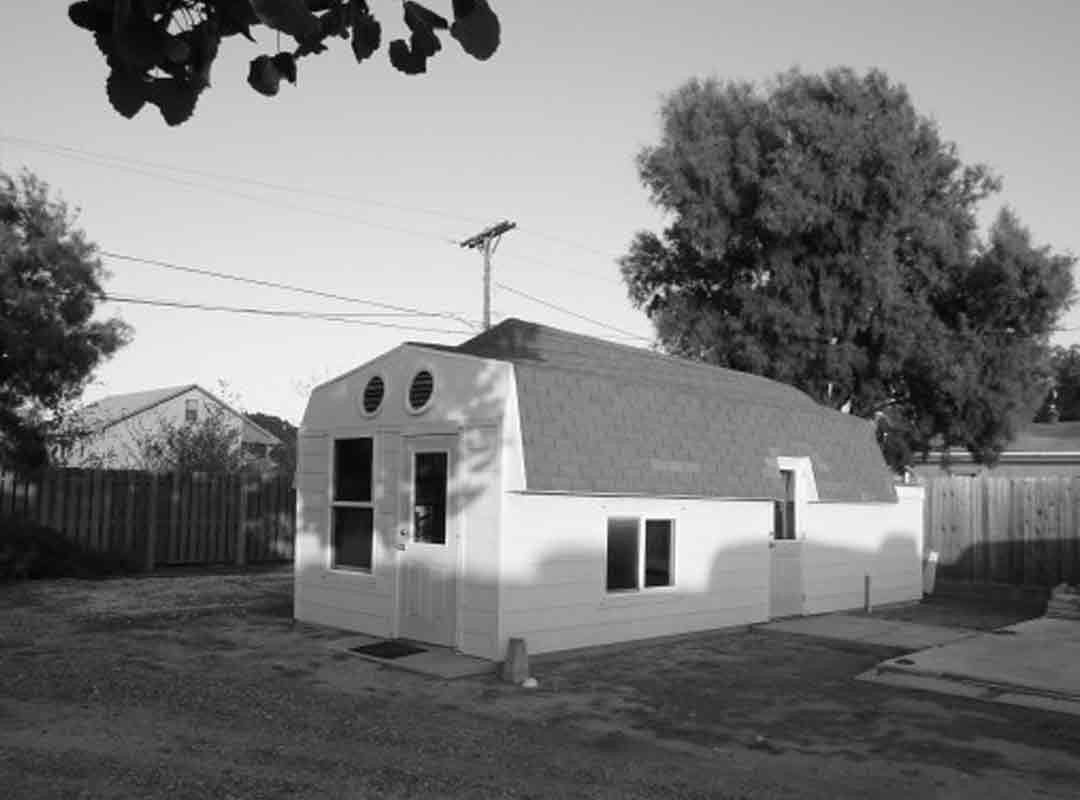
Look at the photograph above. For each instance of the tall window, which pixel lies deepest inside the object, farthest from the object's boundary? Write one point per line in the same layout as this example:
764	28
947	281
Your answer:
429	498
353	515
191	410
640	553
784	510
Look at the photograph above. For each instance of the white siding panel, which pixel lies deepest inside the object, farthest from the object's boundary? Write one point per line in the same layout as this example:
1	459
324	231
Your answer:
846	542
554	571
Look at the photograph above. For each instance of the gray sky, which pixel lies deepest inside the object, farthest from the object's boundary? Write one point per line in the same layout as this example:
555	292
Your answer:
384	171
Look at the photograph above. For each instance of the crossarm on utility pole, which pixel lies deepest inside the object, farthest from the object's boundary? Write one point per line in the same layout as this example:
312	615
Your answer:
486	241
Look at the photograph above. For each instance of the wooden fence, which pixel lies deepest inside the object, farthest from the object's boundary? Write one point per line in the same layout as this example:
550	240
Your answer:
1021	531
161	519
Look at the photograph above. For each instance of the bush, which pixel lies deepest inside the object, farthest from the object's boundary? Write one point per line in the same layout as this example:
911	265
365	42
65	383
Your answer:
30	550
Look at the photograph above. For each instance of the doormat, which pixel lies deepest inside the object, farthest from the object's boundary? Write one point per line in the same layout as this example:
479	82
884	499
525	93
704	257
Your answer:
389	649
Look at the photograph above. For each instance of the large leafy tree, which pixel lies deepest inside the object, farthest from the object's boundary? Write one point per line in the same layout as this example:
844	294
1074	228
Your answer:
821	232
50	343
161	51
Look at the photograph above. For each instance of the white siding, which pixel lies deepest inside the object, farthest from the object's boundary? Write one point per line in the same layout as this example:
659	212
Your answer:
553	590
469	400
845	542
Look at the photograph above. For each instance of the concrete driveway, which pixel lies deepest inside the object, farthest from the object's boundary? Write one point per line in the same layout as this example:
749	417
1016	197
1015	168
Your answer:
1034	664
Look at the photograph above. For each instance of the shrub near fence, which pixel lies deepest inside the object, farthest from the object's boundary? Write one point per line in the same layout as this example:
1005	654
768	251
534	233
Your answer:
161	519
1020	531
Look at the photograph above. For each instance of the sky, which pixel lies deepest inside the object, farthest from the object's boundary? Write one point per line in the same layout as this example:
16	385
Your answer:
360	181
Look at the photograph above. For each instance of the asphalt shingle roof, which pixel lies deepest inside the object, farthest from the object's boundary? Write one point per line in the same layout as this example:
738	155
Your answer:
602	417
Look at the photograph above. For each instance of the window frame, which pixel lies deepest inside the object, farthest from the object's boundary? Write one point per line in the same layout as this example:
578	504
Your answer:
407	389
641	521
336	504
191	410
382	402
786	510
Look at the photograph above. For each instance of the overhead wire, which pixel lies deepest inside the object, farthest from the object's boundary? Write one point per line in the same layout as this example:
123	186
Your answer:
124	162
567	311
323	316
136	166
287	287
281	204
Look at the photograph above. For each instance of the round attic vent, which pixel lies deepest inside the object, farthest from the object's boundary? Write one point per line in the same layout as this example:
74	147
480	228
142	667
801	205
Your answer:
373	394
421	389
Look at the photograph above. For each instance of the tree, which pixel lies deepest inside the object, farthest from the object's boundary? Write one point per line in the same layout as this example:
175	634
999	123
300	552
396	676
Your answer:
823	234
210	444
1063	401
284	456
161	51
50	284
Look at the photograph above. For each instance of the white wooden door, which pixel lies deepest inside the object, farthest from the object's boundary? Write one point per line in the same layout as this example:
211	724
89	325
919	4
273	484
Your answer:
786	554
786	578
427	577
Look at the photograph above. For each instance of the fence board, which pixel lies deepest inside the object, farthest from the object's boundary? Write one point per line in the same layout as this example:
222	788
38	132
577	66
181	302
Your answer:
158	519
1005	530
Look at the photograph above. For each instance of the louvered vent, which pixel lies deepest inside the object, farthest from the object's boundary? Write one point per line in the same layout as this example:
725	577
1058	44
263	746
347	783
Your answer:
373	395
423	384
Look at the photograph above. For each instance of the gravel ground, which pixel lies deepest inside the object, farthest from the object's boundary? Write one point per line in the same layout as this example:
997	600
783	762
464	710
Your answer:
201	686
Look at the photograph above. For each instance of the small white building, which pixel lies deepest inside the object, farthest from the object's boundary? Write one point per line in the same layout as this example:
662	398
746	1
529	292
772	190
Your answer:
540	484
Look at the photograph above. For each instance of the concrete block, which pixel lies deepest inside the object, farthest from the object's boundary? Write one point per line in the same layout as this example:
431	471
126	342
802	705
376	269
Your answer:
515	668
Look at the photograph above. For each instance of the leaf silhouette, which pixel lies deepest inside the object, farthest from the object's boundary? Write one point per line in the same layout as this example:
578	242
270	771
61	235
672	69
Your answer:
423	23
126	91
366	30
174	98
285	64
417	16
288	16
476	27
236	16
405	59
263	76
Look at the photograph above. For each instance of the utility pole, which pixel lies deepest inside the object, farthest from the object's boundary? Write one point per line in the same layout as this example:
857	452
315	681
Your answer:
486	241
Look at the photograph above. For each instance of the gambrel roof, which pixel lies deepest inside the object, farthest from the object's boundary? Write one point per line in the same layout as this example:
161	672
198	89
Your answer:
602	417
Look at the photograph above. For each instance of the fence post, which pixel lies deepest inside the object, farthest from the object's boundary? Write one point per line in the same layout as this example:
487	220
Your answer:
241	524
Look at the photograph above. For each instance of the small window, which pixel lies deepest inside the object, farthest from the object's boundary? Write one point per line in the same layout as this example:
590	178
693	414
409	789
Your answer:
352	470
658	552
421	389
639	555
784	510
622	554
429	498
373	395
191	410
352	512
353	533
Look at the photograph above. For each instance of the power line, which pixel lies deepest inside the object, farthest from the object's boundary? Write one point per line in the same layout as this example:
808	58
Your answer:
275	312
286	287
133	165
574	314
124	162
280	204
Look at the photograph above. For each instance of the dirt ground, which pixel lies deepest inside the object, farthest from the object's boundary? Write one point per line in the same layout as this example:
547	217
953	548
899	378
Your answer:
198	686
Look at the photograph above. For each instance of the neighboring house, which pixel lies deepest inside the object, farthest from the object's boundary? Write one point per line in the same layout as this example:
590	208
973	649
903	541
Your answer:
1040	449
539	484
116	424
